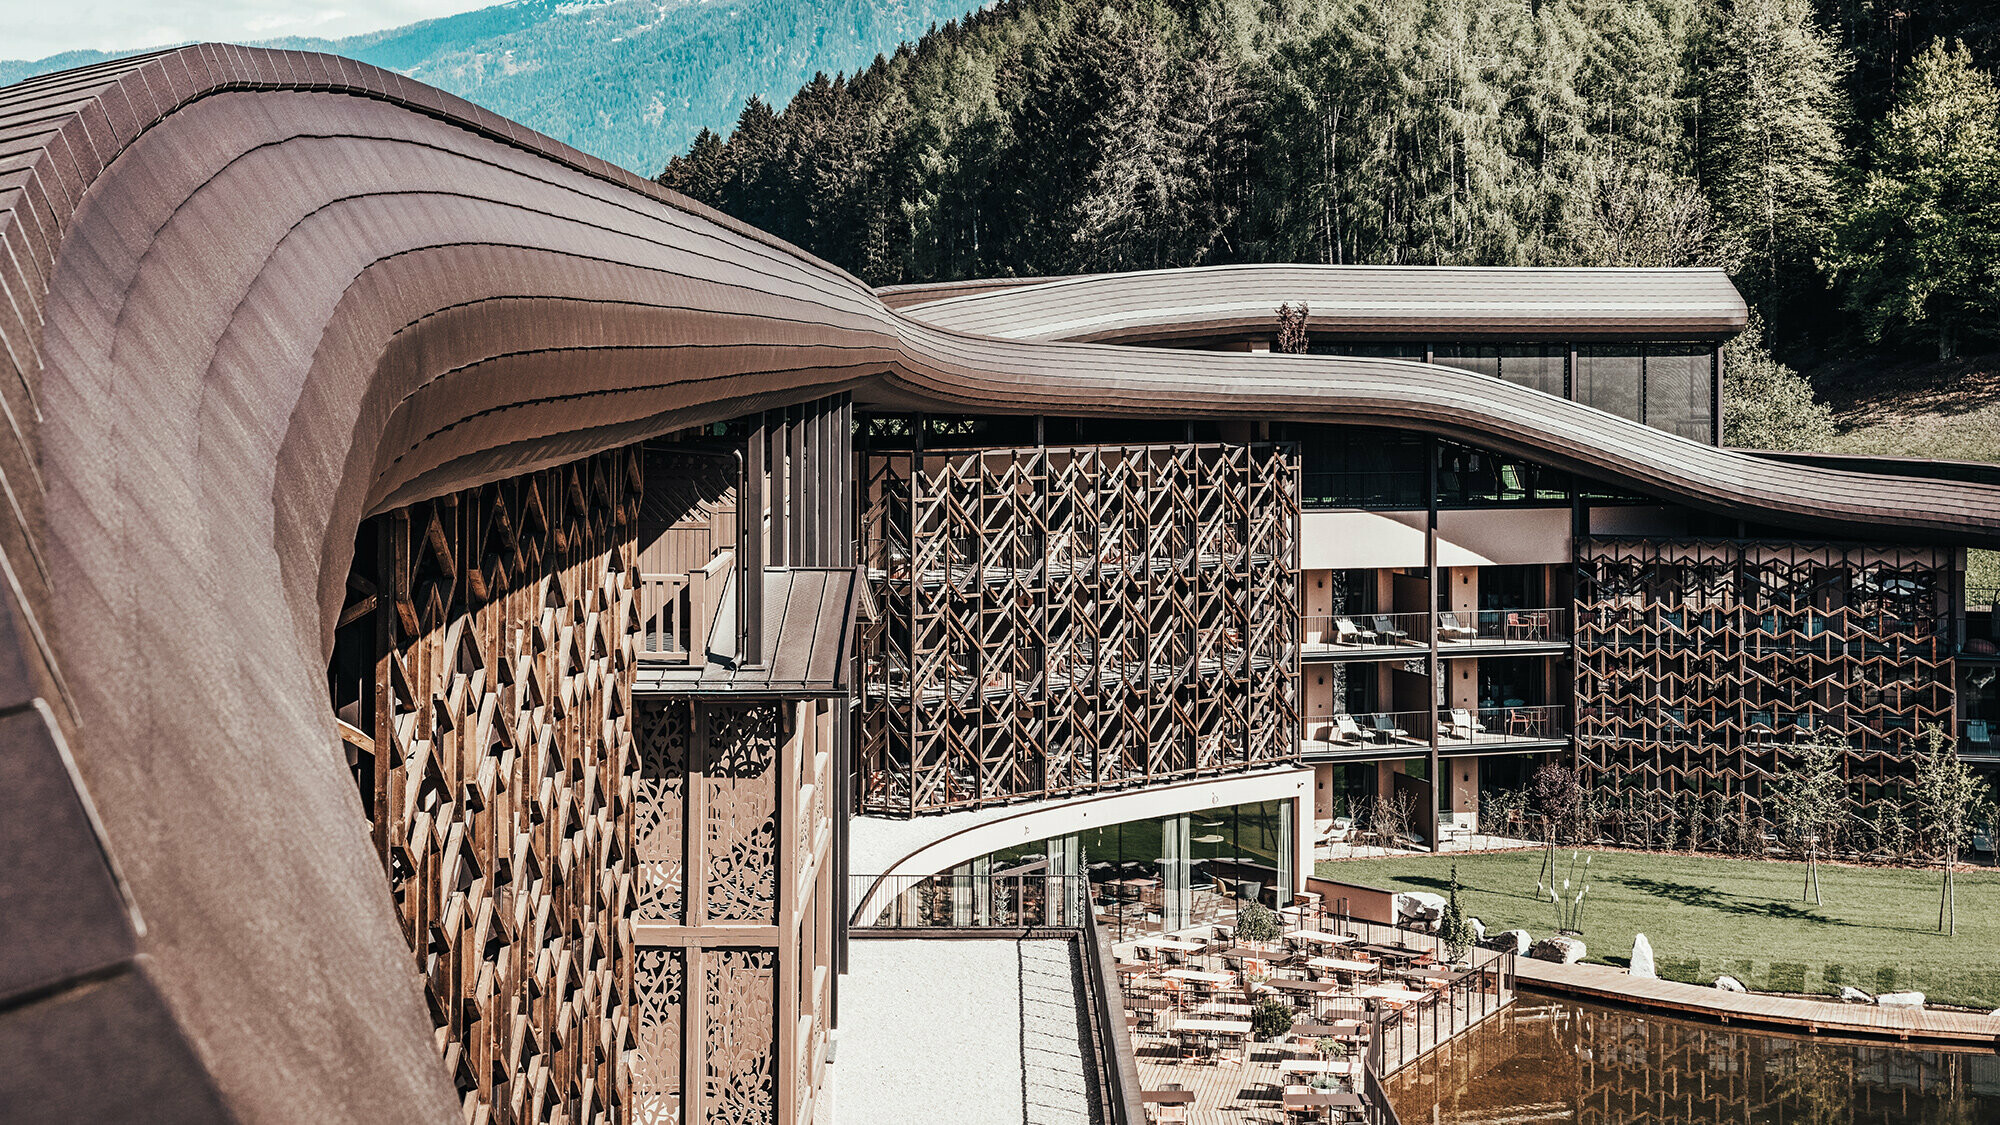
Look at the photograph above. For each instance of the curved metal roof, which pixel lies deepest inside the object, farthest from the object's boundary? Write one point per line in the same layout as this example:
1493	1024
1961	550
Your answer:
251	297
1435	302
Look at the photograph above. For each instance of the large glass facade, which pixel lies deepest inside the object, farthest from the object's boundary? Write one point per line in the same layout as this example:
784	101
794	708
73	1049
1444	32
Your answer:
1160	874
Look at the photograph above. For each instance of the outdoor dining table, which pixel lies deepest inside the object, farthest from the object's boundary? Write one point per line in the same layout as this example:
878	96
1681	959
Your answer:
1429	974
1199	975
1319	938
1388	992
1322	1099
1286	984
1342	965
1316	1066
1212	1026
1337	1029
1152	1003
1167	1097
1174	945
1394	952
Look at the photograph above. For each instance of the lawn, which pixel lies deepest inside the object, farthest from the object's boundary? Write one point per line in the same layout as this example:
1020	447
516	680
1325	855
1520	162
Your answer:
1707	916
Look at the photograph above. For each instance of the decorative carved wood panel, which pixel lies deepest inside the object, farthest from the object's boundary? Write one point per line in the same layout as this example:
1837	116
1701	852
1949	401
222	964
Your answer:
735	833
500	775
1056	620
1698	663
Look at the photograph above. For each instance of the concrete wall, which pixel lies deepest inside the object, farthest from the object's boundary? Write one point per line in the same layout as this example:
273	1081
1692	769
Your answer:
1359	540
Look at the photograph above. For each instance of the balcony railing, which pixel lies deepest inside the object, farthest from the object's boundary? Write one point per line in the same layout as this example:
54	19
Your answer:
1549	625
968	901
1369	633
676	610
1872	729
1457	728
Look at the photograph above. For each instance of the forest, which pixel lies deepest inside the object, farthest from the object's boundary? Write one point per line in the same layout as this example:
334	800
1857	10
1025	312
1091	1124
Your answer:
1841	158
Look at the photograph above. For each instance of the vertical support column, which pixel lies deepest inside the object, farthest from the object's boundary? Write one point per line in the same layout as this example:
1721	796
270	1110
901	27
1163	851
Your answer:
784	489
1288	834
1715	398
1429	817
802	486
750	559
1174	873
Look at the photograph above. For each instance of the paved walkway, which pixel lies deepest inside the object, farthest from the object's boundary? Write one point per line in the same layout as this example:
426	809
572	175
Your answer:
1812	1017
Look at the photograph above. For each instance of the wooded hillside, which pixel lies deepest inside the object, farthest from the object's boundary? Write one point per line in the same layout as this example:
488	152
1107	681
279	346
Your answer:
1841	158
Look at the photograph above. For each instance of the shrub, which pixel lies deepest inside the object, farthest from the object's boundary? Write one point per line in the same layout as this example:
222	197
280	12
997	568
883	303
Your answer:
1271	1019
1256	922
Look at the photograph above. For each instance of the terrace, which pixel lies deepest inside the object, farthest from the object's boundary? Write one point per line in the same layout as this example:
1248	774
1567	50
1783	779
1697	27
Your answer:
1393	636
1509	727
1359	1001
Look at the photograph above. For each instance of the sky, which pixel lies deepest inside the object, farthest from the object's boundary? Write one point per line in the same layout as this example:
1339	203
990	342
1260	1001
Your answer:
33	29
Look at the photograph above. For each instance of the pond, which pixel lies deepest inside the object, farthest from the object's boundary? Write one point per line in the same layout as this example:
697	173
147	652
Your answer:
1558	1060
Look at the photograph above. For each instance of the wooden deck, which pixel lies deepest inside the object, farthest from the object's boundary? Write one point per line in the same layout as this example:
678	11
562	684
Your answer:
1811	1017
1242	1088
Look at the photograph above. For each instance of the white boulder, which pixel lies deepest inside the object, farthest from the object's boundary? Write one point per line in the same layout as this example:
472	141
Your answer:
1516	942
1478	928
1852	995
1730	984
1418	906
1560	950
1642	958
1906	1001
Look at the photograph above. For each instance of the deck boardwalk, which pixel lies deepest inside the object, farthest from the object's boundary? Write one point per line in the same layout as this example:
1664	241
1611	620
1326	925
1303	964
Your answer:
1813	1017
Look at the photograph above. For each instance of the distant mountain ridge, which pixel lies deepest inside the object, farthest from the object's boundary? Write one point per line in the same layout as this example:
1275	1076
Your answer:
631	81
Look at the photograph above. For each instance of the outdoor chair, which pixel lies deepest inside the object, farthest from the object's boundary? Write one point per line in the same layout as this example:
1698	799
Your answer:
1348	633
1527	626
1387	729
1386	630
1349	730
1450	630
1461	724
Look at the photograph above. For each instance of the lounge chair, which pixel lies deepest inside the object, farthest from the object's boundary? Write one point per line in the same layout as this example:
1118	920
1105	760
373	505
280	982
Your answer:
1461	724
1347	730
1450	630
1346	632
1388	730
1385	629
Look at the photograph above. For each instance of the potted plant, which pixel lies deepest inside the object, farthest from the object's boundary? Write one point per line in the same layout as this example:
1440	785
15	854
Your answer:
1270	1019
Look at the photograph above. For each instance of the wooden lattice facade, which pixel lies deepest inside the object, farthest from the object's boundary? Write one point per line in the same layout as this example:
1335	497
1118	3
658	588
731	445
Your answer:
734	919
483	679
1055	620
1699	663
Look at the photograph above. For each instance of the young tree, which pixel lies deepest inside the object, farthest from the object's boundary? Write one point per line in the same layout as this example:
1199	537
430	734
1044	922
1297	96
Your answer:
1809	797
1453	930
1767	405
1917	254
1950	801
1555	798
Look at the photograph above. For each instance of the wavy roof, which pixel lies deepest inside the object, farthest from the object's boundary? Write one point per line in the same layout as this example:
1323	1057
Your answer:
1436	302
251	297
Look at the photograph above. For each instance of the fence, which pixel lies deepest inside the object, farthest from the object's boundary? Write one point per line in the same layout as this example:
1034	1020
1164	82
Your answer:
969	901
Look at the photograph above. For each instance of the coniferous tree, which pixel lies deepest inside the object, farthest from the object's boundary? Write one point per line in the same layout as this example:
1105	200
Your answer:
1919	253
1771	142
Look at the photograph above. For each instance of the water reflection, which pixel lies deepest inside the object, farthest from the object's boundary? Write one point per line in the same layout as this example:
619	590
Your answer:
1560	1061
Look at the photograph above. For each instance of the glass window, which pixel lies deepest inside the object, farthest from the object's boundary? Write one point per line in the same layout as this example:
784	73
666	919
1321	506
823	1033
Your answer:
1537	366
1609	377
1678	381
1482	358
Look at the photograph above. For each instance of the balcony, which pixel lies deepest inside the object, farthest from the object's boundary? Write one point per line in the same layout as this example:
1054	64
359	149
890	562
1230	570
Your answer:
1487	729
1542	628
1365	636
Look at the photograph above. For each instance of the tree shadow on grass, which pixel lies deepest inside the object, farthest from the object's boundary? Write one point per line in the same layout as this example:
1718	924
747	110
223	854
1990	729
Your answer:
1442	885
1708	898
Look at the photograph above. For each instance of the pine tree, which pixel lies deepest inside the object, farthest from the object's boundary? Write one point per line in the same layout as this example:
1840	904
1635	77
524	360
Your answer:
1767	405
1919	252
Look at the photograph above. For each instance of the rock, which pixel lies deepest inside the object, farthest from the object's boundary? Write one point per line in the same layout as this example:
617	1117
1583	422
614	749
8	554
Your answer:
1478	928
1852	995
1642	958
1561	950
1730	984
1516	942
1906	1001
1418	906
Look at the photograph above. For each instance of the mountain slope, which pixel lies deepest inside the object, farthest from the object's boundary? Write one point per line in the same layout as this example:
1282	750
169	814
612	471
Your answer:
631	81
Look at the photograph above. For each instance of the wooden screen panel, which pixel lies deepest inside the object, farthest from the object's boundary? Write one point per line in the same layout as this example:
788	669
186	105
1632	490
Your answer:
500	778
1056	620
1699	663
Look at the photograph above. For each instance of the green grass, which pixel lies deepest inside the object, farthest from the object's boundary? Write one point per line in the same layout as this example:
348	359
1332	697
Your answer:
1707	916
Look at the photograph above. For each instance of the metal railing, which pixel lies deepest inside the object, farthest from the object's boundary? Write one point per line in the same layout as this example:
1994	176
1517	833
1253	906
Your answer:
1546	625
1457	728
1403	489
968	901
1339	633
1117	1062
